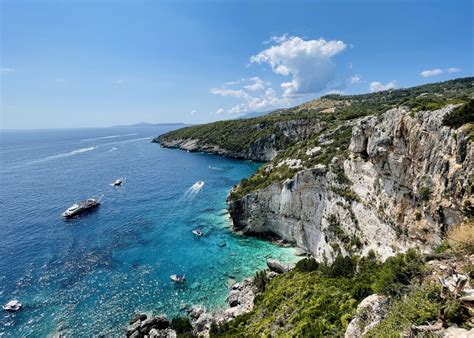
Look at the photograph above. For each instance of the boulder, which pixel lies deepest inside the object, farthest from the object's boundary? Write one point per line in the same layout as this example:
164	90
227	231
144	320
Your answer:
203	323
196	312
233	298
133	327
369	313
276	266
138	316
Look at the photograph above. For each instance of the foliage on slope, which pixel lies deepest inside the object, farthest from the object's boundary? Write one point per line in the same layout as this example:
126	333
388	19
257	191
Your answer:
319	300
238	135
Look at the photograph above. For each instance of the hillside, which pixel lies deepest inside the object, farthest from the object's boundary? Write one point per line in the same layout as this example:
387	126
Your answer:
370	175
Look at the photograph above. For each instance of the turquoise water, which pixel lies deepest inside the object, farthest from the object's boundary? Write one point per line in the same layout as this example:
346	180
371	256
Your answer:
89	275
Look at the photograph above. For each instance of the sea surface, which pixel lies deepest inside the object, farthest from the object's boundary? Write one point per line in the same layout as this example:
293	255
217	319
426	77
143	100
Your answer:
89	275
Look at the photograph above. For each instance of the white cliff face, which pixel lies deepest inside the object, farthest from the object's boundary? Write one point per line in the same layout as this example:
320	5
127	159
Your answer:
410	177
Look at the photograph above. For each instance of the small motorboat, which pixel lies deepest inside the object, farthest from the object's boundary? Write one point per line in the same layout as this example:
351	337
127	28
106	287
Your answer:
12	306
197	232
178	278
117	182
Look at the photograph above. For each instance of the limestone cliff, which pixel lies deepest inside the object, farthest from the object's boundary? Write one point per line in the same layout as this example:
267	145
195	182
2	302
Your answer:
258	140
403	182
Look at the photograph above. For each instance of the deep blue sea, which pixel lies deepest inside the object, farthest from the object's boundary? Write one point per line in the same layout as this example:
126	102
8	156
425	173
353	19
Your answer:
88	276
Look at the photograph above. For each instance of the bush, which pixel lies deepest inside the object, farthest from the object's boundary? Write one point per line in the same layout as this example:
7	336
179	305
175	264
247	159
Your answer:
425	194
260	280
307	265
397	273
342	267
461	115
419	307
181	325
418	216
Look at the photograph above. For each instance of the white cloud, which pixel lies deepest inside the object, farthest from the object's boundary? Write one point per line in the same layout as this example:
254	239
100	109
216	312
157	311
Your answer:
277	39
255	96
453	70
431	72
335	91
7	70
120	82
377	86
307	61
220	111
354	79
258	84
193	112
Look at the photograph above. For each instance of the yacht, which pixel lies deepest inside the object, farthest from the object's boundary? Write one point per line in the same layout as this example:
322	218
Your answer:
81	207
12	306
197	232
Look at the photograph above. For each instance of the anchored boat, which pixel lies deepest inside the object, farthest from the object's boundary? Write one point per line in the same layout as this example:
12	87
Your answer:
81	207
178	278
118	182
12	306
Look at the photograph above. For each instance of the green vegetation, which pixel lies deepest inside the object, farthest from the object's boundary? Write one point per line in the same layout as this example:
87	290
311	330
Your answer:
318	299
420	306
182	326
329	118
461	115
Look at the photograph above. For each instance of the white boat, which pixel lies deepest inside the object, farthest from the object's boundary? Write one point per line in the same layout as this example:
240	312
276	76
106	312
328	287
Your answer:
178	278
118	182
198	184
197	232
81	207
12	306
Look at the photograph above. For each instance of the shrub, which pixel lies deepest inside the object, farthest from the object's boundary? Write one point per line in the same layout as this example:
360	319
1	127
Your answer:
181	325
307	265
460	115
418	216
260	280
420	306
342	266
397	273
425	194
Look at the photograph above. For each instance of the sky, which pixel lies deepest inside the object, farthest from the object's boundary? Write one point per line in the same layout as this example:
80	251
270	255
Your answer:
84	63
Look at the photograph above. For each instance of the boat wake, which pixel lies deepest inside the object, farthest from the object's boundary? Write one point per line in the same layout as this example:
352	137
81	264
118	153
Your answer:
194	189
63	155
215	168
107	137
112	149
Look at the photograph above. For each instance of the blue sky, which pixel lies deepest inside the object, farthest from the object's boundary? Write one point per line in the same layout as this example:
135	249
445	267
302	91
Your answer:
102	63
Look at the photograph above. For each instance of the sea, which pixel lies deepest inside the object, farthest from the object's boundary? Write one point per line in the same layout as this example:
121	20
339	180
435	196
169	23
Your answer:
87	276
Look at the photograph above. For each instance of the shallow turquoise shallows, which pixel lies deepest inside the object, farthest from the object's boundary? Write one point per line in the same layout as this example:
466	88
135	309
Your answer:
89	275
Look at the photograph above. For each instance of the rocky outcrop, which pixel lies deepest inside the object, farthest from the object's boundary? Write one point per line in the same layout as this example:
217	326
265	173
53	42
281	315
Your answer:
142	326
369	313
262	149
407	179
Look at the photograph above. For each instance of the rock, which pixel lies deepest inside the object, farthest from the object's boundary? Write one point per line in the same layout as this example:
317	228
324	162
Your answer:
276	266
300	252
166	333
203	323
159	323
233	298
196	311
369	313
386	190
456	332
135	334
133	327
138	316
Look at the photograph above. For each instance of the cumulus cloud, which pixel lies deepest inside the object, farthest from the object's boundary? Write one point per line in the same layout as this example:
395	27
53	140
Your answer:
453	70
255	95
308	62
377	86
193	112
431	72
220	111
